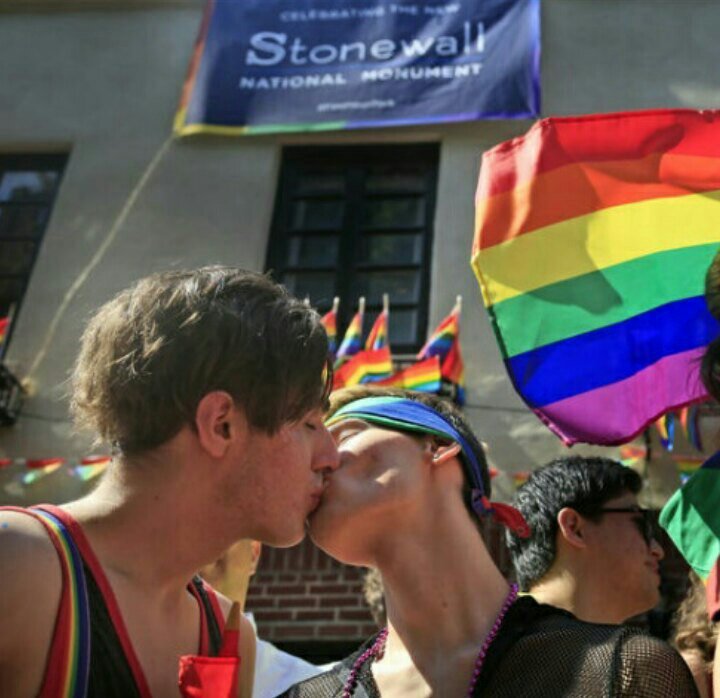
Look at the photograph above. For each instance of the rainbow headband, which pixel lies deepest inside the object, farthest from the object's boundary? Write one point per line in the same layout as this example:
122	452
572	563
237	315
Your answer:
409	415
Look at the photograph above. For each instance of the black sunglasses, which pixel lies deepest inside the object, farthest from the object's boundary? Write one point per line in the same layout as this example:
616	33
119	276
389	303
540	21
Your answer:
645	521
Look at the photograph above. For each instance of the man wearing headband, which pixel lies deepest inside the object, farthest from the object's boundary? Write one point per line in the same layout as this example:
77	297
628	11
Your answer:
408	496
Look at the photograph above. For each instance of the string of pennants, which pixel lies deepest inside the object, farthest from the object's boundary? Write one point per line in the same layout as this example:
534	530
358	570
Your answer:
33	470
689	420
438	366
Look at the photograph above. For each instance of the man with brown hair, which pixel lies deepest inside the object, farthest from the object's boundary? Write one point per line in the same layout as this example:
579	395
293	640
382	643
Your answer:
210	385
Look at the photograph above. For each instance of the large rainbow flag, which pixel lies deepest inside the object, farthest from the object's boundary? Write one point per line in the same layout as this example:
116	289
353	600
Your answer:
593	236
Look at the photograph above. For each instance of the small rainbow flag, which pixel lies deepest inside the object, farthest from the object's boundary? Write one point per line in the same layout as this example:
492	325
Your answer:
444	343
665	427
690	422
4	325
631	456
329	321
365	367
423	376
378	337
352	341
593	235
687	466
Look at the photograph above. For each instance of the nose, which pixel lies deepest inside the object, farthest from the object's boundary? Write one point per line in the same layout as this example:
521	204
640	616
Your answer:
656	550
326	458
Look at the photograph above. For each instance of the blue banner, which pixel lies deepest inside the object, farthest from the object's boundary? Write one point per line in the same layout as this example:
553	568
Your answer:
262	66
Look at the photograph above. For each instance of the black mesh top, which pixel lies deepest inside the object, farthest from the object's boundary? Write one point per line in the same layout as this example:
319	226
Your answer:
543	652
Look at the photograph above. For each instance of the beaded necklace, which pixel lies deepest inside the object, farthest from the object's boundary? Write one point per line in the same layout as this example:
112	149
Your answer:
377	649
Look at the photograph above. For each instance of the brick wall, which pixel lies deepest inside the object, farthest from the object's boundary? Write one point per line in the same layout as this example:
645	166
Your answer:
302	598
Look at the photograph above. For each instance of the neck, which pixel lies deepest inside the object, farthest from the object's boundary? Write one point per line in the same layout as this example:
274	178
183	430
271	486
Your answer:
151	522
443	594
587	601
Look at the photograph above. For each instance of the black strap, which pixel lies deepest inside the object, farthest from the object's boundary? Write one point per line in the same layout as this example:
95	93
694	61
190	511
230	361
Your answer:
214	634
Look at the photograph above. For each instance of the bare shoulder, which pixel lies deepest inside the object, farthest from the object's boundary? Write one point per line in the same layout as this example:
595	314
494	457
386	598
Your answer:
247	647
29	600
652	668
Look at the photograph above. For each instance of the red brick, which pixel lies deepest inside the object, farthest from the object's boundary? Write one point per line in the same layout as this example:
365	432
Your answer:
276	589
339	601
349	631
292	631
268	616
261	602
329	589
363	615
297	602
315	615
287	578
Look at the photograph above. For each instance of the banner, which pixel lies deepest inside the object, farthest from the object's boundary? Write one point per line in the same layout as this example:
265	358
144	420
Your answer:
263	66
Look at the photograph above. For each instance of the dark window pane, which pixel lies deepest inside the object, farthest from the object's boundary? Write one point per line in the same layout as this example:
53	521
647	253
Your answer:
23	221
313	251
16	257
395	181
313	214
394	213
319	287
402	286
403	326
321	183
28	186
11	289
391	249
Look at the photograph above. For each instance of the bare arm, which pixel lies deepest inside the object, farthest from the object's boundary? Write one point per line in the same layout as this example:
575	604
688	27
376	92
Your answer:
28	603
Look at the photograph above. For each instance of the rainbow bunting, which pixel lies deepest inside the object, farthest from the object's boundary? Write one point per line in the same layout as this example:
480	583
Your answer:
632	456
39	469
329	321
352	341
423	376
91	467
378	337
364	367
593	235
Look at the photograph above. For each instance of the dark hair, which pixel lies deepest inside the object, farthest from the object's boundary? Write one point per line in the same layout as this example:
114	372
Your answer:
710	367
154	351
581	483
443	407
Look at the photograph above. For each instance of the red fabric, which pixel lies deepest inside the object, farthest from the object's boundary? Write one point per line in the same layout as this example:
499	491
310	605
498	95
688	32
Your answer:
511	518
712	593
208	677
59	651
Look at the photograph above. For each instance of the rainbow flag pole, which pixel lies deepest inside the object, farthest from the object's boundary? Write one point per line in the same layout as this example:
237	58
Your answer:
593	236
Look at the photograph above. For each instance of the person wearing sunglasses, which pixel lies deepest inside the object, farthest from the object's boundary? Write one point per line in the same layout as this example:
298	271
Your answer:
593	549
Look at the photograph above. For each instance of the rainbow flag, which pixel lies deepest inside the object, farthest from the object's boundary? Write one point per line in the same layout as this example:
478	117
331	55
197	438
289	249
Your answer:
632	456
691	517
4	326
364	367
687	466
665	427
329	321
690	422
378	337
593	235
352	341
444	343
423	376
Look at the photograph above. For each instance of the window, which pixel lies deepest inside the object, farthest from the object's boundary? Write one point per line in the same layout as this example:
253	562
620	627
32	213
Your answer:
28	184
357	221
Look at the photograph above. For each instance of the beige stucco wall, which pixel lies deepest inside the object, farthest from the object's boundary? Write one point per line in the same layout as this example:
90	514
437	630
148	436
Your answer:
102	80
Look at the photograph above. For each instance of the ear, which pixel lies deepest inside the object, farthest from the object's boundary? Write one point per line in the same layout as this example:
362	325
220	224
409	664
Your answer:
571	527
442	454
218	422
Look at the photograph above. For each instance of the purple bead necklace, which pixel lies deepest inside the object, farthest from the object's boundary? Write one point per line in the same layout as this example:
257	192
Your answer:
377	649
